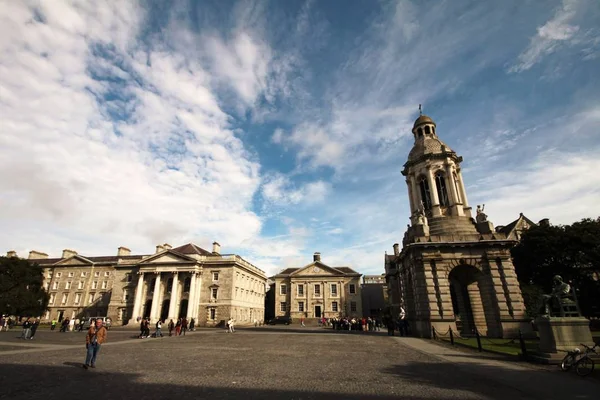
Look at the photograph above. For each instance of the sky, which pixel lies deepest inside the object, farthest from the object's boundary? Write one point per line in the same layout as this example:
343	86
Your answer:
279	128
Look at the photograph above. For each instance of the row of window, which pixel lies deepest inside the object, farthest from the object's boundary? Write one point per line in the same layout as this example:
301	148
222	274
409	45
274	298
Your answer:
76	301
333	289
83	274
283	306
254	283
80	285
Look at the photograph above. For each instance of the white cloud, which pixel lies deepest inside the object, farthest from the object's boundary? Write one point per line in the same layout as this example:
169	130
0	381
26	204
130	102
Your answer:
549	36
278	189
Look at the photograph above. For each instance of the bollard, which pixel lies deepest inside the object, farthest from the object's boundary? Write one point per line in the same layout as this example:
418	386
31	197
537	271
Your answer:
433	333
451	337
478	340
522	343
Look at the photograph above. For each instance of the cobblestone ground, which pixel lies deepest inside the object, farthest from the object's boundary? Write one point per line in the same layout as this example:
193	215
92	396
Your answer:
254	363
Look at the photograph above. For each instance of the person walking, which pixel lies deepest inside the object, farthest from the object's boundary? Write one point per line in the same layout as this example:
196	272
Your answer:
26	329
184	326
192	325
94	339
34	327
53	325
158	327
178	327
171	327
231	329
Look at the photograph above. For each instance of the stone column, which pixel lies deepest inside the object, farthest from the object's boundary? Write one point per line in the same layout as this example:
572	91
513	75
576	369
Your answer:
196	309
435	201
138	305
155	299
463	193
454	200
192	297
411	198
174	297
415	192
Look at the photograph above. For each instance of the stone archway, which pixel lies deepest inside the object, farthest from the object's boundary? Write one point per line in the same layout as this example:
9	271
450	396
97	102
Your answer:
465	290
183	308
164	311
147	308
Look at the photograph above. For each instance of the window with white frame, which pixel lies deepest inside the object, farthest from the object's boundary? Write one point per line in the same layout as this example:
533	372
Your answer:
107	273
95	285
352	288
65	297
71	274
317	289
283	306
125	294
214	292
50	274
213	313
334	306
54	285
301	306
52	298
215	276
300	290
83	274
334	289
92	298
104	284
77	298
80	285
96	274
58	274
282	289
352	306
68	285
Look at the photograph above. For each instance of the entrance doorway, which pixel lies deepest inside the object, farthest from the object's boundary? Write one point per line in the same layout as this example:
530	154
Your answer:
466	298
164	311
61	315
147	309
183	308
317	311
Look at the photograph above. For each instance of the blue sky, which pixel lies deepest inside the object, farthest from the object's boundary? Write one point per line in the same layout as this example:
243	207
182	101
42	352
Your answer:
280	128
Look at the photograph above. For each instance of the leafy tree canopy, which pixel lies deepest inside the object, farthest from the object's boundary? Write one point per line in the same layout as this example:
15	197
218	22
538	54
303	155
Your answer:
571	251
21	291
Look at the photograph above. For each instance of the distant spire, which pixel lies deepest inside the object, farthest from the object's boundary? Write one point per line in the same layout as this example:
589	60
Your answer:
420	111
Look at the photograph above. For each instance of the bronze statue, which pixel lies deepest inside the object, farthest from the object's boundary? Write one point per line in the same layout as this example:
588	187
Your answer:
481	216
560	290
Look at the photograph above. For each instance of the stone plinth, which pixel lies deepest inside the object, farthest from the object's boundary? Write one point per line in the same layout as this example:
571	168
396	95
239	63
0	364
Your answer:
485	227
563	334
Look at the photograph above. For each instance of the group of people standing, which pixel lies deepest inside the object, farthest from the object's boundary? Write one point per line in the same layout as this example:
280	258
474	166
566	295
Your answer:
29	328
175	328
367	324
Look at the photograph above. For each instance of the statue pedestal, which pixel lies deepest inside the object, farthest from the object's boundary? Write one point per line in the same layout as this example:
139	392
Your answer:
563	334
421	230
485	227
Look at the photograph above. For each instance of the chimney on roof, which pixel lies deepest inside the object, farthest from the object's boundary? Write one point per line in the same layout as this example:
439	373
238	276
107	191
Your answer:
544	222
67	253
123	251
396	249
159	248
216	248
11	253
167	246
36	255
317	257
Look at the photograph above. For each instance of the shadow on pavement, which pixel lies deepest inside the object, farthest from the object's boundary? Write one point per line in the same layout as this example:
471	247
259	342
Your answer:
43	382
529	382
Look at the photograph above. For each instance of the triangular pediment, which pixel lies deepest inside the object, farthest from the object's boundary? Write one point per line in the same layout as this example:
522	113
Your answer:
316	268
74	260
167	257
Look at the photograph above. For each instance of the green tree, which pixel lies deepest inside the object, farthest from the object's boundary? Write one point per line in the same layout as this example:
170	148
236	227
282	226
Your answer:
571	251
21	291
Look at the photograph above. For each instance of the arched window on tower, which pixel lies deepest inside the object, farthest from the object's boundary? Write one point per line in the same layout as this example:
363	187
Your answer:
425	194
458	199
420	132
433	130
440	183
427	130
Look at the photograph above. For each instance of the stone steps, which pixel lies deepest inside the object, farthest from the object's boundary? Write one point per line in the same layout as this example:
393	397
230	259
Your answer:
451	226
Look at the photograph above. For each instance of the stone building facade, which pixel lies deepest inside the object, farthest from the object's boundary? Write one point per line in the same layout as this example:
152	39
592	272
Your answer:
186	281
453	270
317	290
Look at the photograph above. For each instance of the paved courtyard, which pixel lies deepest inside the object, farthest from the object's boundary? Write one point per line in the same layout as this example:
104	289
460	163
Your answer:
267	363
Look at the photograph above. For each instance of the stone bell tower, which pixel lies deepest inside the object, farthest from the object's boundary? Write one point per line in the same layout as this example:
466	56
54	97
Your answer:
453	270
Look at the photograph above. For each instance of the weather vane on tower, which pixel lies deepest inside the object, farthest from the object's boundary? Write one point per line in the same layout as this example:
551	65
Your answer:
420	111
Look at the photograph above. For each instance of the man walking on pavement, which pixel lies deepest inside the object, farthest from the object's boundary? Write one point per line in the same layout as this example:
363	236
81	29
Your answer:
94	339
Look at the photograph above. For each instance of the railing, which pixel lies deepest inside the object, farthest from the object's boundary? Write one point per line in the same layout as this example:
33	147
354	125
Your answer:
483	343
